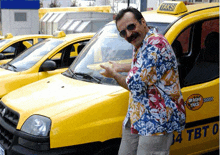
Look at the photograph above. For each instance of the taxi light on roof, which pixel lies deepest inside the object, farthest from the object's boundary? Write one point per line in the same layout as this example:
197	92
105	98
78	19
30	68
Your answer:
171	7
59	34
8	35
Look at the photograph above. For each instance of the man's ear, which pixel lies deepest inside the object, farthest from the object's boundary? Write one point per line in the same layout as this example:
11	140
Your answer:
143	21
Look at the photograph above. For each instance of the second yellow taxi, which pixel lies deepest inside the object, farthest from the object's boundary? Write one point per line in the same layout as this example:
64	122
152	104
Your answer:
42	60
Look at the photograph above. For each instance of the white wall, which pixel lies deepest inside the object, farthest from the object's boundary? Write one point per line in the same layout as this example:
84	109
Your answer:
9	25
152	4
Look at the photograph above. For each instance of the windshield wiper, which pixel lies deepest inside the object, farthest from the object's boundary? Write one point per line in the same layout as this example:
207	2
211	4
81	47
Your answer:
84	75
15	68
5	66
68	73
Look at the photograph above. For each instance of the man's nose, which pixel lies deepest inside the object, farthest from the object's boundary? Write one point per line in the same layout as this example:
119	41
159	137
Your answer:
128	33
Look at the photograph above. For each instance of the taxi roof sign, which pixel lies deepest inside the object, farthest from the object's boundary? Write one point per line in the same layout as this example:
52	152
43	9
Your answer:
59	34
8	35
171	7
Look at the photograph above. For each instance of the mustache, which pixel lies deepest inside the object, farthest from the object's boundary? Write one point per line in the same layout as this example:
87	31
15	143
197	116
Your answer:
133	36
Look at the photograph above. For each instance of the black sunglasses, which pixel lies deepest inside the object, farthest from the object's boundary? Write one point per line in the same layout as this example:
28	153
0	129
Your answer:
130	27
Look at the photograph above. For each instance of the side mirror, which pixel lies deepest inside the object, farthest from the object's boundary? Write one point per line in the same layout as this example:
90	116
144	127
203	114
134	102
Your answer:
48	65
2	56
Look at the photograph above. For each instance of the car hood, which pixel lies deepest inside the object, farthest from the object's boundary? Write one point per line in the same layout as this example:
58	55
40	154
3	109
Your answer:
55	95
7	78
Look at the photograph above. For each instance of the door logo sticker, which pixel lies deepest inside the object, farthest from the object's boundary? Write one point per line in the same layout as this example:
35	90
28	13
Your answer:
194	102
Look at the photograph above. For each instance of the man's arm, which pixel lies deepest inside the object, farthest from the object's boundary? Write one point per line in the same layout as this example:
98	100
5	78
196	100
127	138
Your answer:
111	73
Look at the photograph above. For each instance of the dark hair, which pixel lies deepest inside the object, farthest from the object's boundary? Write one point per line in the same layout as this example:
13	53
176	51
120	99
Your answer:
137	14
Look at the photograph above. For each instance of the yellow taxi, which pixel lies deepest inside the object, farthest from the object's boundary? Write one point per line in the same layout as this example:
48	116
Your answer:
49	57
11	46
81	112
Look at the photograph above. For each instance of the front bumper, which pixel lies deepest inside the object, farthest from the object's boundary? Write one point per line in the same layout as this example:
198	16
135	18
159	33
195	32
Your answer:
85	149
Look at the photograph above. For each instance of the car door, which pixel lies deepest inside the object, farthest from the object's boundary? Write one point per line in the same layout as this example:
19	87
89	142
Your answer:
197	51
63	58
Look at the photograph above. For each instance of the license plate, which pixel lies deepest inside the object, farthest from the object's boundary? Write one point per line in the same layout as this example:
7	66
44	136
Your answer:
2	151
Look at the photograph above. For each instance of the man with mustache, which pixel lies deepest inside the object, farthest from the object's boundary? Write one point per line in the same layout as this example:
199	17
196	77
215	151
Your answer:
156	106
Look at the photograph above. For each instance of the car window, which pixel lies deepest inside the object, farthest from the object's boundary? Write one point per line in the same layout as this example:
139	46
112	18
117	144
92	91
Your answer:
206	66
207	27
17	48
9	52
197	51
33	54
161	27
10	49
67	55
41	39
105	46
184	39
30	41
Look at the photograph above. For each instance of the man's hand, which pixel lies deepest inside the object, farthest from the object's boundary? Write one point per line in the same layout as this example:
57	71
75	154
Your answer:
109	72
116	66
120	67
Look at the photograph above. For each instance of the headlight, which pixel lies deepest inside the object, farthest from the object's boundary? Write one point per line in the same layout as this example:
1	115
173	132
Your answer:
37	125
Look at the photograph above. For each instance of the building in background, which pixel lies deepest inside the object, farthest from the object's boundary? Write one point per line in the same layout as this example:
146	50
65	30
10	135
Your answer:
19	17
116	5
83	3
61	3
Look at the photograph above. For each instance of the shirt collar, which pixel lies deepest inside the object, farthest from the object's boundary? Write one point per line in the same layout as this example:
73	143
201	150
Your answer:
143	44
150	32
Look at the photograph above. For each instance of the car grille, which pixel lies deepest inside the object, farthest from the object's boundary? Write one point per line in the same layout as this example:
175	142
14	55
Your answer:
8	120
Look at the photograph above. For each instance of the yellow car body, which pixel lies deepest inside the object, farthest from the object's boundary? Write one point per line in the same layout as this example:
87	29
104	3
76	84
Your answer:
200	95
11	46
81	112
26	68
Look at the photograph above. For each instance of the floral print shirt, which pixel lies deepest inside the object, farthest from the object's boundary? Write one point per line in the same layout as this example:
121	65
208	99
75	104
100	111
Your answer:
156	104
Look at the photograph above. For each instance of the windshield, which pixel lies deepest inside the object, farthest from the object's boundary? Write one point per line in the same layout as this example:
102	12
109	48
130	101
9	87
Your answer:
3	42
105	46
161	27
32	55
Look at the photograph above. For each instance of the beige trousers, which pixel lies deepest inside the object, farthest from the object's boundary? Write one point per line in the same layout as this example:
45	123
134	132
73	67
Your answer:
134	144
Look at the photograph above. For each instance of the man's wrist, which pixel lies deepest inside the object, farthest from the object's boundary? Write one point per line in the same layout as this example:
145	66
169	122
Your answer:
115	75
